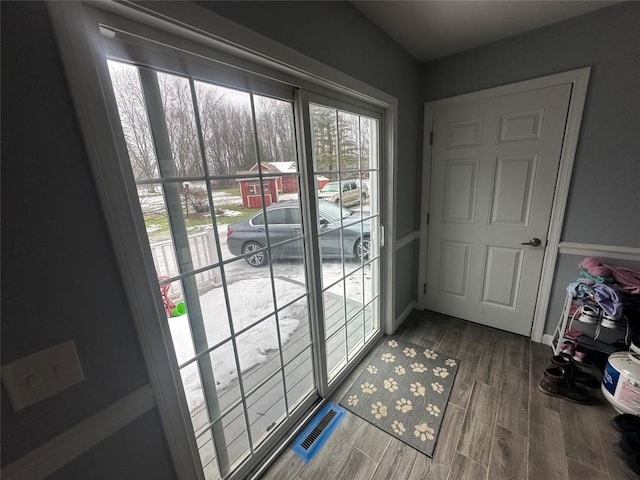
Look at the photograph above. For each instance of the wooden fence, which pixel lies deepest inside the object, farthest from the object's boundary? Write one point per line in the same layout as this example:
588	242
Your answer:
203	253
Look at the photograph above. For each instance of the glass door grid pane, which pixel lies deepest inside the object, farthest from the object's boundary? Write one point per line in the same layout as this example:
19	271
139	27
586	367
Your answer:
182	271
345	167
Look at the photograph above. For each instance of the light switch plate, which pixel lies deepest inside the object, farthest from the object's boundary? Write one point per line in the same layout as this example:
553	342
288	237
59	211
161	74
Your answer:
40	375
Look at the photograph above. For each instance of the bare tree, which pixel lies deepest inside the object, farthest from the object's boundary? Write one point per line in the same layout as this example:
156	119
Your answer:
181	125
341	139
134	120
227	129
274	121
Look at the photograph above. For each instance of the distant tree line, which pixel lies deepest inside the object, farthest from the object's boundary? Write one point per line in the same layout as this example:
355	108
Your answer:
340	139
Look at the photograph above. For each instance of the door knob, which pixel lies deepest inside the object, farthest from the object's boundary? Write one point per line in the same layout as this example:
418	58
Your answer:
534	242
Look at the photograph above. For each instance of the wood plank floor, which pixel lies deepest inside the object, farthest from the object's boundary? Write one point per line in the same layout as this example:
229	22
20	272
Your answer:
498	425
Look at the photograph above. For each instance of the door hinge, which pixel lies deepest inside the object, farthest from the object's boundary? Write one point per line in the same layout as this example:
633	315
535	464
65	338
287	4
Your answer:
381	235
424	288
428	216
431	138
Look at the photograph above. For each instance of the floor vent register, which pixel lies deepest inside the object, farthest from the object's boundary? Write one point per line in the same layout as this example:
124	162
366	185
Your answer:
308	443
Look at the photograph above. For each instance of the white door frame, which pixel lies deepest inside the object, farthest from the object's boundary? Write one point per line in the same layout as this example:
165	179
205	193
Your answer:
579	79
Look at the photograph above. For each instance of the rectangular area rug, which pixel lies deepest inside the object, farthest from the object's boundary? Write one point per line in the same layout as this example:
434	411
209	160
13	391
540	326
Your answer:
404	389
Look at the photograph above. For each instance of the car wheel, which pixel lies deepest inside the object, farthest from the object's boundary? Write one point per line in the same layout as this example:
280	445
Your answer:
256	258
338	201
362	248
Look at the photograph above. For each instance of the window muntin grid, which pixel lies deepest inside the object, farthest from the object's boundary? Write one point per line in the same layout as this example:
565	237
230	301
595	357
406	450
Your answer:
184	279
181	183
345	158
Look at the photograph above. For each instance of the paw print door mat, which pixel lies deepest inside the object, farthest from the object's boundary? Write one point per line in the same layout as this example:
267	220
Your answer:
404	390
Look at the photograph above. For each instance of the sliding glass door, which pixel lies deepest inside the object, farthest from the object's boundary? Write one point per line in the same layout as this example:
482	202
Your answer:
346	191
267	254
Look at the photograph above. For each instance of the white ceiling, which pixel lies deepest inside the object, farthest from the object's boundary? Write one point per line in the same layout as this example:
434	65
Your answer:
430	29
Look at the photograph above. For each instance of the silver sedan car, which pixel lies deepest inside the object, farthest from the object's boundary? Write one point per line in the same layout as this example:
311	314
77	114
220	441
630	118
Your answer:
342	232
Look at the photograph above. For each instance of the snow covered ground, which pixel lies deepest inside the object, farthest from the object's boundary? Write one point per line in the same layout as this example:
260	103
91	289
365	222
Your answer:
250	298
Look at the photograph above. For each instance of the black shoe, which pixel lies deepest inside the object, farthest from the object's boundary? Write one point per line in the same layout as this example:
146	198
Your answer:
557	383
626	422
632	467
626	448
574	372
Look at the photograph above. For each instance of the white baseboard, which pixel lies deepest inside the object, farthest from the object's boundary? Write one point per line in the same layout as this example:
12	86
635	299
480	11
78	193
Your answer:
57	452
407	239
546	339
403	316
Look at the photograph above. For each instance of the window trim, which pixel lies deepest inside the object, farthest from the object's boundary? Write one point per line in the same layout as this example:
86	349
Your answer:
84	61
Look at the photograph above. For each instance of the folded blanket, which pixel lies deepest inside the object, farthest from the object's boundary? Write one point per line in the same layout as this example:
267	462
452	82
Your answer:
629	280
608	300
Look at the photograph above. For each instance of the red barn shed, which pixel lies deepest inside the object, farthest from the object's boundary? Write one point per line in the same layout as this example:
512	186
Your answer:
251	192
287	182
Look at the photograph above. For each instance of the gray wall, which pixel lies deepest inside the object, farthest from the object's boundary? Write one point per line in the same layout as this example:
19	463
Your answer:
604	199
59	276
59	270
337	34
133	452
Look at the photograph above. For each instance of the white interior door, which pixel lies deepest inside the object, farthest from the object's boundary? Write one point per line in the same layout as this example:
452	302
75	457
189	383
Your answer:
494	169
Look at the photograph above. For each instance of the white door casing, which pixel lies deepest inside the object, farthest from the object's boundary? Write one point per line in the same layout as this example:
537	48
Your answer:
494	168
